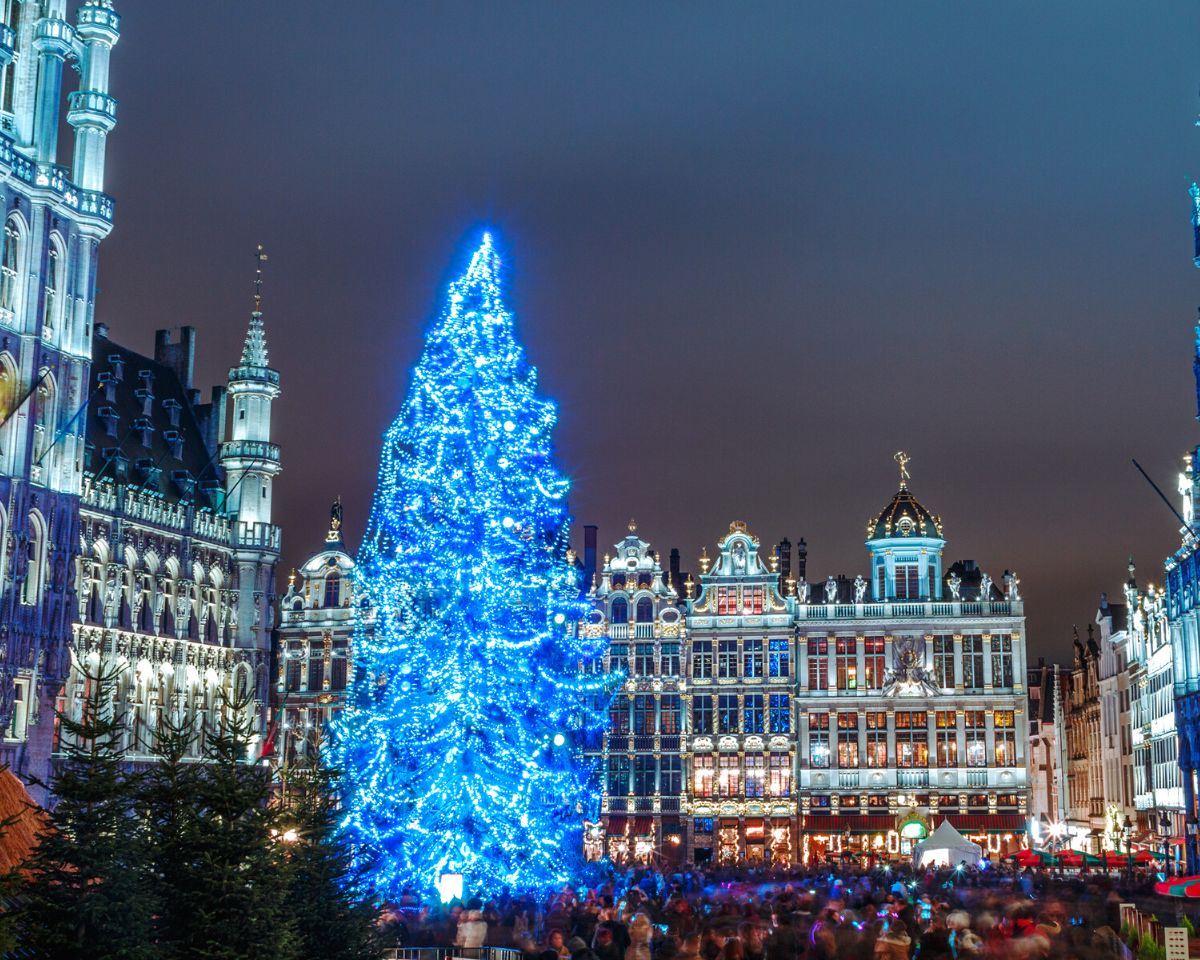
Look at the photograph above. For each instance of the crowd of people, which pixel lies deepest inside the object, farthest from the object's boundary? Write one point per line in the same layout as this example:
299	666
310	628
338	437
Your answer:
885	913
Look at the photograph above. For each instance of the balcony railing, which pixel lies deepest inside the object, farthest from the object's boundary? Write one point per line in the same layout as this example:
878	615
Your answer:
909	610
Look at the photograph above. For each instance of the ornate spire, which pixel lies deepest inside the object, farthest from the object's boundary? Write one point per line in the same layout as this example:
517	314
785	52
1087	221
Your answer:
254	353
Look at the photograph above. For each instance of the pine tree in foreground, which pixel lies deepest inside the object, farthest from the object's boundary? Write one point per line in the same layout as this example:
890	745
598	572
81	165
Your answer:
167	804
335	919
89	892
458	735
231	875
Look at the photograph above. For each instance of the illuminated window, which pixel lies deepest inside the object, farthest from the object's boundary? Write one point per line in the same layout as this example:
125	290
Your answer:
752	713
873	662
947	738
645	775
908	583
670	775
727	713
752	658
818	664
752	600
702	659
333	590
912	738
670	660
781	713
643	659
943	662
755	775
618	715
643	714
818	740
668	713
846	650
702	713
847	744
779	662
618	776
728	775
976	730
877	745
702	775
1002	663
1003	722
727	658
727	601
972	663
780	783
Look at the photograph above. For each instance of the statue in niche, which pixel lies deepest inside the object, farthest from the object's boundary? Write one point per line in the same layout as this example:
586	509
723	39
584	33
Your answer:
954	582
985	588
738	554
860	588
831	590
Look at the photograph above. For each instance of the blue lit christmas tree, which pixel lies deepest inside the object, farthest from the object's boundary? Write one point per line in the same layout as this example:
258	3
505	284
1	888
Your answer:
457	740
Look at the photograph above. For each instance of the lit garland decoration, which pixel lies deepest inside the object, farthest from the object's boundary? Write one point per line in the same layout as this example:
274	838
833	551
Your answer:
468	704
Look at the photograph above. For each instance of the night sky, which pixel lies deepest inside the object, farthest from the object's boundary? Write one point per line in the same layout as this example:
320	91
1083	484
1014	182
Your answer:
754	249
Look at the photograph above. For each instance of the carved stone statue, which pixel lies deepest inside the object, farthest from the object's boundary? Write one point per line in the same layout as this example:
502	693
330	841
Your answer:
954	582
908	675
860	588
831	590
985	588
803	589
1011	584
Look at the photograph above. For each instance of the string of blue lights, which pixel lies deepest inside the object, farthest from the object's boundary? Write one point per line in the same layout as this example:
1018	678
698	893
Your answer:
459	743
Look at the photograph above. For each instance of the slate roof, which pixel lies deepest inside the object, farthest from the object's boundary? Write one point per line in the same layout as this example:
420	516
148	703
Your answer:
146	428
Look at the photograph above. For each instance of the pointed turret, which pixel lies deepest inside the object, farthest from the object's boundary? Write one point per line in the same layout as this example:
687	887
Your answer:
251	462
254	352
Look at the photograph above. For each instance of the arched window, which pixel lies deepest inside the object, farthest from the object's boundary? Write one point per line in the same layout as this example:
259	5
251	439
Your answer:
333	589
35	567
10	268
645	610
12	17
54	289
620	611
8	406
44	420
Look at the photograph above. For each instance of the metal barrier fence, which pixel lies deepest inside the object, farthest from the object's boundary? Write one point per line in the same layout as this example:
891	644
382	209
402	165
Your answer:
452	953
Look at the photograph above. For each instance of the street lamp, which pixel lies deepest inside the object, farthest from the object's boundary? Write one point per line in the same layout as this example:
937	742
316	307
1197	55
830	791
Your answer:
1127	833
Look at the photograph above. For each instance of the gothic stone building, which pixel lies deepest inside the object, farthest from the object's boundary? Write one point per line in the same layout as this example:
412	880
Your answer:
55	217
765	720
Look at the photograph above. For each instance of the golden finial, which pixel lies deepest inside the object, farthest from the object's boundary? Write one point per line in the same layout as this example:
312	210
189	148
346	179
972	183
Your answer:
704	561
260	257
632	525
292	578
903	458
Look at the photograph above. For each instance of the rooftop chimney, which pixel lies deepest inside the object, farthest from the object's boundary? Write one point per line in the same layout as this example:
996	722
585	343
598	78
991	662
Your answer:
181	356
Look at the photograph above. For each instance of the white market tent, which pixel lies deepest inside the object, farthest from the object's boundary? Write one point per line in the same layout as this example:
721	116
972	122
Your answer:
946	847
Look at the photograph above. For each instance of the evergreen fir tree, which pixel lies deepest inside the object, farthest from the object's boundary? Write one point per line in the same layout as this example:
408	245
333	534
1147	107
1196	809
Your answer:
459	731
228	883
167	803
89	891
335	918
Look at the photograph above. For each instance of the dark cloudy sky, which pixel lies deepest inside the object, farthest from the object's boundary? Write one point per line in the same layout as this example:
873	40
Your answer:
754	249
